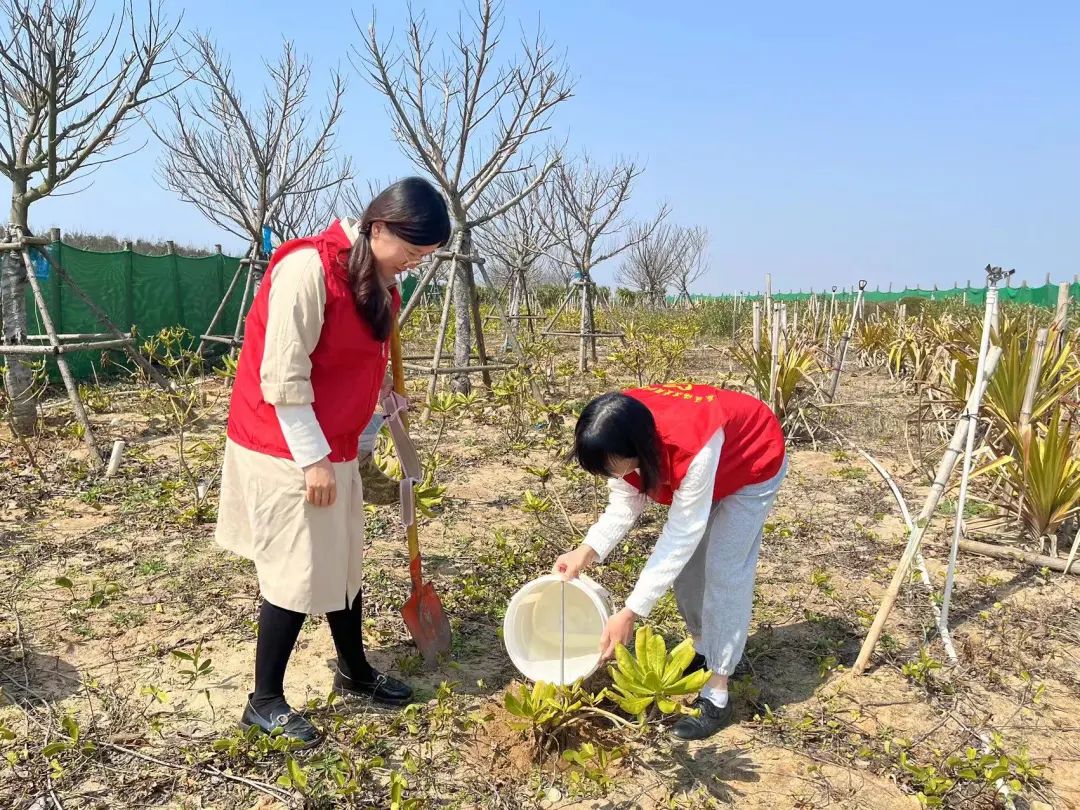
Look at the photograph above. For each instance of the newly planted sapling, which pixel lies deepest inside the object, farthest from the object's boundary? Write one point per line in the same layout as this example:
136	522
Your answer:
653	676
546	708
199	667
444	404
71	743
534	504
921	670
542	709
592	764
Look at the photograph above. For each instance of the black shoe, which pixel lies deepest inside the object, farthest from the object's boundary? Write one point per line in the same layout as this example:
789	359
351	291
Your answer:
279	715
708	722
697	663
379	688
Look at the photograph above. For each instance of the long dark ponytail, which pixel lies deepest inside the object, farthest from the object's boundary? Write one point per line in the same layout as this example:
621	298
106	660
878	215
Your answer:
412	209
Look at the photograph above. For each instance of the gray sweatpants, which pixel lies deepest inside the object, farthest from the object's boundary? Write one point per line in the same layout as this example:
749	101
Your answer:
715	591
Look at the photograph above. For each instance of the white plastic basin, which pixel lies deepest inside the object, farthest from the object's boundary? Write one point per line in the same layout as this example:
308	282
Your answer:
531	628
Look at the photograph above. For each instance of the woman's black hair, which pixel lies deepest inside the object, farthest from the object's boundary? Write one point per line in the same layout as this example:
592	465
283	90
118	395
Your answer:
411	209
618	426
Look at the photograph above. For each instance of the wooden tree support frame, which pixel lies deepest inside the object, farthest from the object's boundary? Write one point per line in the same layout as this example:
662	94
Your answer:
484	367
17	241
587	332
253	268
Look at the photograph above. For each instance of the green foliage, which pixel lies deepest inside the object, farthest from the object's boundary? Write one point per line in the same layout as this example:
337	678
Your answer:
592	765
653	676
198	667
70	744
546	707
534	504
95	398
797	359
921	669
227	369
653	348
1043	477
872	339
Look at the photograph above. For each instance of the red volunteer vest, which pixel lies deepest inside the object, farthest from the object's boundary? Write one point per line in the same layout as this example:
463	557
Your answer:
347	365
687	416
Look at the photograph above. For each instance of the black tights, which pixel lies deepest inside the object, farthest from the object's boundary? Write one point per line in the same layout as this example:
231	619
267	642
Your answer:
278	630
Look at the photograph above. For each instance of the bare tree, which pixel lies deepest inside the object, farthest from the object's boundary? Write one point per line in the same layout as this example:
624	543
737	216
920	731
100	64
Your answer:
244	166
71	84
589	227
663	259
465	122
517	242
695	263
306	213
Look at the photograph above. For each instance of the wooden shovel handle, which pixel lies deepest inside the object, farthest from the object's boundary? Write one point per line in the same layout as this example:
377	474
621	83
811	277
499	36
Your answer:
397	365
398	370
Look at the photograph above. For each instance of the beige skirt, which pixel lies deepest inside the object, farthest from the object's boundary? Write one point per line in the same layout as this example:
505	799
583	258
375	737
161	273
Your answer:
308	558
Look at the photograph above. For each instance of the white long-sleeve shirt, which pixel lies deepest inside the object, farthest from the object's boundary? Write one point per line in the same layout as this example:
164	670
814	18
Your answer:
688	516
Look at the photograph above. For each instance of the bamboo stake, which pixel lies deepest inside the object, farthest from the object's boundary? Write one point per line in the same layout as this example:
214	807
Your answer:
969	448
1072	552
105	321
1006	553
768	301
919	562
844	341
220	309
915	537
774	358
418	293
511	337
829	324
1032	386
757	327
439	341
61	361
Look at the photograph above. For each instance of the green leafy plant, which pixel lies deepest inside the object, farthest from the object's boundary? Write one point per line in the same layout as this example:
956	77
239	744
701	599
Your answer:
592	764
921	669
227	369
95	398
71	743
653	676
796	361
1042	480
544	708
445	405
198	667
932	786
398	785
547	709
534	504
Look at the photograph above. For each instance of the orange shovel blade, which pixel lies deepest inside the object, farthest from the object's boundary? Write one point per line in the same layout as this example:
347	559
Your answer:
424	616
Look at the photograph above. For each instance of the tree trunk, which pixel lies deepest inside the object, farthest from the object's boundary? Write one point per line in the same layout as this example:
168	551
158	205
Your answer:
590	316
464	290
18	378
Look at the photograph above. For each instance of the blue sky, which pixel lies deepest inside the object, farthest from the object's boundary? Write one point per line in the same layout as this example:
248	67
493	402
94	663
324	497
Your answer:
820	143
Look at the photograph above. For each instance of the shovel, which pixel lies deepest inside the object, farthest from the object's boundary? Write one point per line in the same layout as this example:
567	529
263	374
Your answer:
423	612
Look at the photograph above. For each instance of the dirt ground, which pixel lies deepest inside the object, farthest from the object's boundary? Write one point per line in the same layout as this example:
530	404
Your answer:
102	582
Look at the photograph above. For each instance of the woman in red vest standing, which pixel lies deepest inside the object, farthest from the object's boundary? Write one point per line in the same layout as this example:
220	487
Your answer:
308	381
717	458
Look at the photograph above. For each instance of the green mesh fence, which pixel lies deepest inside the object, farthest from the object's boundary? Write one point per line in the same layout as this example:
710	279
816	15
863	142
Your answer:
1044	296
149	293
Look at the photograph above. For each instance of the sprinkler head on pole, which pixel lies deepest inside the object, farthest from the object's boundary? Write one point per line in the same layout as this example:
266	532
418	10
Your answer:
996	274
862	283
